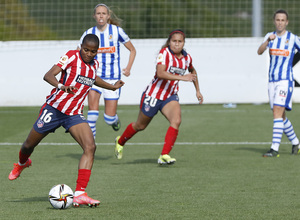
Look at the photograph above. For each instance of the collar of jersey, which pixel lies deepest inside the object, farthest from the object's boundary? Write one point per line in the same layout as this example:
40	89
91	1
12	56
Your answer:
184	53
286	32
91	63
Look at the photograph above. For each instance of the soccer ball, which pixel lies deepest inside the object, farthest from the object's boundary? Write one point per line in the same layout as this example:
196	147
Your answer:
61	196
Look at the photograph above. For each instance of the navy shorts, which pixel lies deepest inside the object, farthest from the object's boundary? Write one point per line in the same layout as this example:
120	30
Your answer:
150	105
50	119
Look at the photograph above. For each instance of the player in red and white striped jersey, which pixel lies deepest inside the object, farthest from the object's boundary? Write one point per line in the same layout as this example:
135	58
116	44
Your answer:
77	73
161	88
64	108
161	94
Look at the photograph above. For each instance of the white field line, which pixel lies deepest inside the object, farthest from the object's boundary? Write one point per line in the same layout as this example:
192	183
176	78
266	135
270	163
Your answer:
139	144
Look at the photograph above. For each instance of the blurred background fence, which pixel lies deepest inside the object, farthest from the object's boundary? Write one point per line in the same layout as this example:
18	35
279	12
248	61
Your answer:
67	19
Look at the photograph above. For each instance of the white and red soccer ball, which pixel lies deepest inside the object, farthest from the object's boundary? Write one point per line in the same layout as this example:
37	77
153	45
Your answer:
61	196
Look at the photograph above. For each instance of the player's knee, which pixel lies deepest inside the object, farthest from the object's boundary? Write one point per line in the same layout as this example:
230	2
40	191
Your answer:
90	149
175	122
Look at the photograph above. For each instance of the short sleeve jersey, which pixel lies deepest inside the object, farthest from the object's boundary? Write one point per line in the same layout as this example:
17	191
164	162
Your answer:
162	88
109	50
75	72
282	51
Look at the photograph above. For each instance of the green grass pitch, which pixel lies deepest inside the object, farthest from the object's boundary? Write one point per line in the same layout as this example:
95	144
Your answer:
219	174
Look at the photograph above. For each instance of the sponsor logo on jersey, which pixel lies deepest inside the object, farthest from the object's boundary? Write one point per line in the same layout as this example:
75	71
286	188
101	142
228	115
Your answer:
111	49
279	52
85	80
176	70
63	60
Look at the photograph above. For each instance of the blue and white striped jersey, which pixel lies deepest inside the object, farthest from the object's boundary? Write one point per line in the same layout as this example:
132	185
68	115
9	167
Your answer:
282	51
109	50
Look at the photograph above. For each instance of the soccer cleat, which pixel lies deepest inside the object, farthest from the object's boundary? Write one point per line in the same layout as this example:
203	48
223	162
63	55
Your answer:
295	149
83	199
117	125
271	153
165	159
17	170
118	149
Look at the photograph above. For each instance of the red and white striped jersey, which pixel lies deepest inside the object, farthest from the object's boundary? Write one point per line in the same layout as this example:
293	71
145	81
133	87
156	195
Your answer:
161	88
75	72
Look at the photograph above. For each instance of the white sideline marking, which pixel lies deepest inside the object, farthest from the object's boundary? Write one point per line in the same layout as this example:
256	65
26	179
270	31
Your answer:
177	143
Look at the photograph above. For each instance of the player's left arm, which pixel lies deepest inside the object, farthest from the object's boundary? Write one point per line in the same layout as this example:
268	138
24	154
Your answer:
50	77
297	43
297	54
101	83
131	48
199	96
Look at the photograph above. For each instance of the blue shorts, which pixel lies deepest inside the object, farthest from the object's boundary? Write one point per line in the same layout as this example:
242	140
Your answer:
150	105
50	119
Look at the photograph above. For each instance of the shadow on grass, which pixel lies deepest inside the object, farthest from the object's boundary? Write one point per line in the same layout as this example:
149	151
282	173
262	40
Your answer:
138	161
149	161
78	156
263	150
252	149
32	199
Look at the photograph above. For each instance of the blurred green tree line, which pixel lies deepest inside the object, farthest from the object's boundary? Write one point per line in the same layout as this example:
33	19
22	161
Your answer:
67	19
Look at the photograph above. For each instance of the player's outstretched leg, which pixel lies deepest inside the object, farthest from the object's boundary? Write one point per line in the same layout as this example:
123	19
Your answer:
17	170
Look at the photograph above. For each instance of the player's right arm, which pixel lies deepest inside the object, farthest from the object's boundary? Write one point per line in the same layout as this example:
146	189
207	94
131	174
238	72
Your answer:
265	44
50	77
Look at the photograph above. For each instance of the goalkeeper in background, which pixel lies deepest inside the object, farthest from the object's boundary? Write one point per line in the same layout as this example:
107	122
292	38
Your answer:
282	45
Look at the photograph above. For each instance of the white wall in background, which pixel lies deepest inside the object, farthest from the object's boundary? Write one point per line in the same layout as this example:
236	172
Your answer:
229	70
